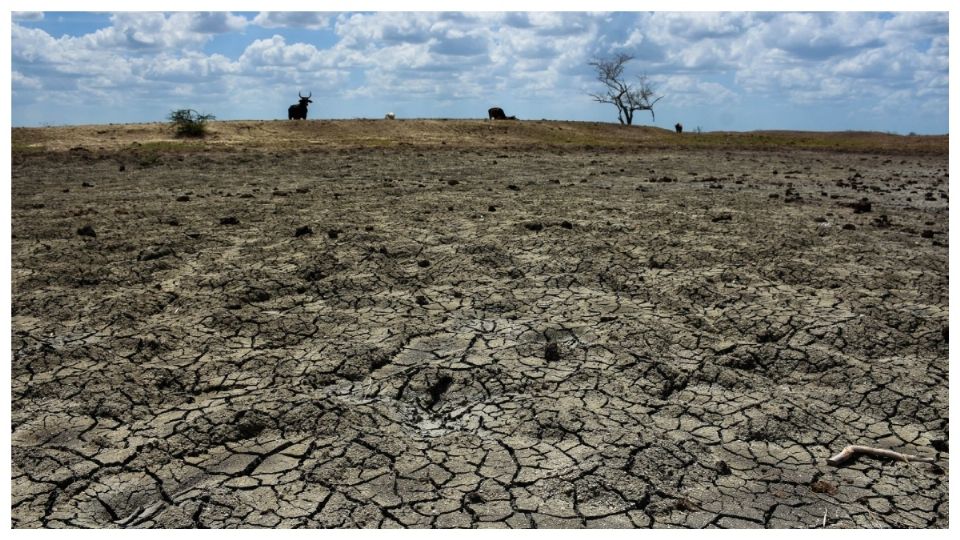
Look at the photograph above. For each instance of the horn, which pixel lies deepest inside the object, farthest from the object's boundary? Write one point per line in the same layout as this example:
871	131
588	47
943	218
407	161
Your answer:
311	95
299	94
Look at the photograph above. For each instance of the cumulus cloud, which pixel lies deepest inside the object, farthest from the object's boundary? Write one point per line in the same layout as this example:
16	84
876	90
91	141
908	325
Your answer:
820	36
23	82
697	26
150	32
217	22
454	45
686	90
697	59
275	52
292	19
188	68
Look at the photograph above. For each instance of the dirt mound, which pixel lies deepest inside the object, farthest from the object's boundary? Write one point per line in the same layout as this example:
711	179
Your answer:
285	135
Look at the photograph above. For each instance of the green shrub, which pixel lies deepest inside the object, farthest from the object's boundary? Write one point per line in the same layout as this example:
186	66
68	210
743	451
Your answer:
190	123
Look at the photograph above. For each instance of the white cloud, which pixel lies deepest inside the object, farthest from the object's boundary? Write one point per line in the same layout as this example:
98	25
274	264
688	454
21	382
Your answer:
296	19
275	52
146	32
217	22
366	30
821	36
687	90
698	59
192	67
697	26
22	82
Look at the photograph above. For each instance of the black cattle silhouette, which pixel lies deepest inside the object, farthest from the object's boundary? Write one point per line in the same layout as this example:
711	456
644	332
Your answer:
299	111
496	113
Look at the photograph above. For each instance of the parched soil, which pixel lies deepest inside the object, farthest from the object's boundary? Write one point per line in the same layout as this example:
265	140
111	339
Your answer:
470	335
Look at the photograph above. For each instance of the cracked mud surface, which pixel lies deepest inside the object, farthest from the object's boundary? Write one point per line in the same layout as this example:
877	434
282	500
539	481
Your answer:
478	338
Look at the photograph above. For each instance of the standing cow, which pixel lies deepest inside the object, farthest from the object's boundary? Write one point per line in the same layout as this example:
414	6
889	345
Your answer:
299	111
678	127
496	113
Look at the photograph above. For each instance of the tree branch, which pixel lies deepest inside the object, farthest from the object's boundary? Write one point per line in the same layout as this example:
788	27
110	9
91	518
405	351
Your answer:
852	450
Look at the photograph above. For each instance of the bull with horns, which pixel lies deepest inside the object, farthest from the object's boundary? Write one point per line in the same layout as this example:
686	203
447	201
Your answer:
299	111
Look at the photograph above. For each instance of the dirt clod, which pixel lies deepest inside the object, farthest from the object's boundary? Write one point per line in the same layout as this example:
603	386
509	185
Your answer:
822	486
154	253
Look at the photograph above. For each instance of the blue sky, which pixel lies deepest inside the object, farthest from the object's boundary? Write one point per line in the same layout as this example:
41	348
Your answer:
734	70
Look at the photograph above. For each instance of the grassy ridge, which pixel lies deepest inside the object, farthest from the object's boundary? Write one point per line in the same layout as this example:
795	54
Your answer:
274	135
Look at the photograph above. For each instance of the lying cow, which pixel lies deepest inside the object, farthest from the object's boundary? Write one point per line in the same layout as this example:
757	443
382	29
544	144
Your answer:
496	113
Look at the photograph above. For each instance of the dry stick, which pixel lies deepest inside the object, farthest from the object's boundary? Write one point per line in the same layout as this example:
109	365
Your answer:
853	450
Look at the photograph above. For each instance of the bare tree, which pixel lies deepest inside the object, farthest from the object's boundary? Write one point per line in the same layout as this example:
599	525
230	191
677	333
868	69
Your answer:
627	98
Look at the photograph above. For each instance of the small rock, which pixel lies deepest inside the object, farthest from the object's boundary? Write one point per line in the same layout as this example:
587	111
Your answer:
333	234
513	187
849	227
822	486
926	234
566	225
423	263
183	198
302	231
534	226
422	300
87	230
230	220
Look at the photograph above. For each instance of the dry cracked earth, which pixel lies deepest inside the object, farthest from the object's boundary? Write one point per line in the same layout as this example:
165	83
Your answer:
478	338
